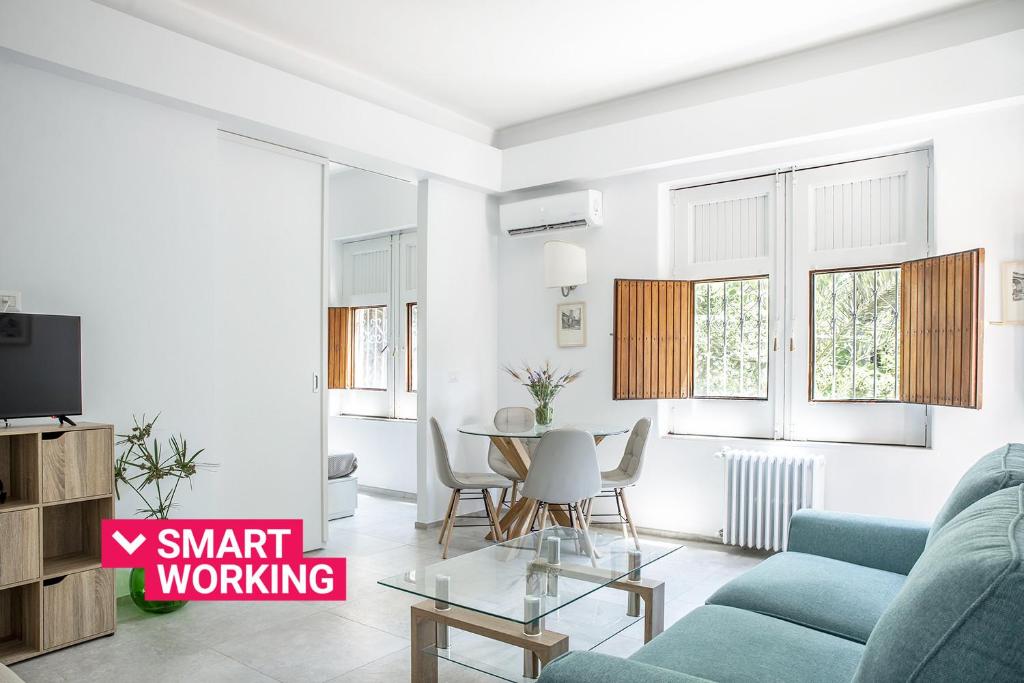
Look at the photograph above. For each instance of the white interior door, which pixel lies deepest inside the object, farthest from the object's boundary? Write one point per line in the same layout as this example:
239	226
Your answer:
270	335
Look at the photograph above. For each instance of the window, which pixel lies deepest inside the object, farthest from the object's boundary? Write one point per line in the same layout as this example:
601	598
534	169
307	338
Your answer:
730	338
372	331
369	349
410	347
863	331
856	328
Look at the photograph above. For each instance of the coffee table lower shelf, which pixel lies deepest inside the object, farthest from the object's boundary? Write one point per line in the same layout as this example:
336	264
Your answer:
431	623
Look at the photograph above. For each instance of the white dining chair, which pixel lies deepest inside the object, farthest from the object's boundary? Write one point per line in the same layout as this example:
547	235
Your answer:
459	482
563	472
511	419
615	482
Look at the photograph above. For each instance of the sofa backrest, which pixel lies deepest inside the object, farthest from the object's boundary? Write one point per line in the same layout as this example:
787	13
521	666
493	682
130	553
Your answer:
960	614
1000	469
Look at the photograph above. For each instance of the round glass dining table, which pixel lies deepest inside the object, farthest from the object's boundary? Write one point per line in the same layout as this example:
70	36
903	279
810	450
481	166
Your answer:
512	444
598	431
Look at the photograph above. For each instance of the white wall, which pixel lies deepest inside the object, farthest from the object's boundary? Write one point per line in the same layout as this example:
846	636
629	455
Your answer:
111	209
108	207
386	450
458	326
364	204
979	169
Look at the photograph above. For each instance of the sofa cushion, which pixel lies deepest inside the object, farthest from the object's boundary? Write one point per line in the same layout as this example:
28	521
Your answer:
728	644
827	595
1002	468
960	614
582	666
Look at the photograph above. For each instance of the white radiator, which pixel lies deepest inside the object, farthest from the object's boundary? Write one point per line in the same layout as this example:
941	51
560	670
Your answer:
762	493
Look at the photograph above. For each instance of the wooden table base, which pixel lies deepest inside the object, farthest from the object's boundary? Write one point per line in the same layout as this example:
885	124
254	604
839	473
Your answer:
426	618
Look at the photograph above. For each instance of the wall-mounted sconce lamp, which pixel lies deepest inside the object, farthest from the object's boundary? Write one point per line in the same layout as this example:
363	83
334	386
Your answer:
565	265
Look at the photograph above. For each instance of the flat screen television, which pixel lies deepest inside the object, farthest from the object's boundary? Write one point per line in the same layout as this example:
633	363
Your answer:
40	365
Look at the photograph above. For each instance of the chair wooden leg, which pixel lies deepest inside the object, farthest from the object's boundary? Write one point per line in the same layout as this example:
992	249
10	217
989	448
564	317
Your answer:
590	509
621	494
456	494
492	515
447	514
585	537
501	500
515	491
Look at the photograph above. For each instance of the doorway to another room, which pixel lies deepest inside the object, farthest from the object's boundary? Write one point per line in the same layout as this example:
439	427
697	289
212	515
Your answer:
372	336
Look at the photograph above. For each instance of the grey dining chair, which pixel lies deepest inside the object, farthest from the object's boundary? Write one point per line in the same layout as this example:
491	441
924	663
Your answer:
564	472
511	419
459	482
615	482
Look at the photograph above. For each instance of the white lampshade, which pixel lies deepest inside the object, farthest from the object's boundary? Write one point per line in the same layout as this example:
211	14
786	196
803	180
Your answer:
565	264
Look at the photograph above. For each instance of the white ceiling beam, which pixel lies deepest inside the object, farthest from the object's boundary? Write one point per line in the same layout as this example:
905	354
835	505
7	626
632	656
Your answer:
974	73
92	42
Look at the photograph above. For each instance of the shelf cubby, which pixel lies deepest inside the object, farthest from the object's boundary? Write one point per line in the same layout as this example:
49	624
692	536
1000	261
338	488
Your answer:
19	470
19	623
71	536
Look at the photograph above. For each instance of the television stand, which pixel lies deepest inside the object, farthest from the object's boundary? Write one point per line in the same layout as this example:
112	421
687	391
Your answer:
64	419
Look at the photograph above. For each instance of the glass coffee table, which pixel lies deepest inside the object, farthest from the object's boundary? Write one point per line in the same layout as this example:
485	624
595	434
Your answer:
510	608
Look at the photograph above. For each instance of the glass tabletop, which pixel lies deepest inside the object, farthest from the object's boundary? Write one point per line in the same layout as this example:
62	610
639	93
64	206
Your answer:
488	429
531	576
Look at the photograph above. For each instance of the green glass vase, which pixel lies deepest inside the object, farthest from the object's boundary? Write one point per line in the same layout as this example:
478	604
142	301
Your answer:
544	413
137	589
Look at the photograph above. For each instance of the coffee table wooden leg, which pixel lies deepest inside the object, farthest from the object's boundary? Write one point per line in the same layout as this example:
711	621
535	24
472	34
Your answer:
654	611
539	649
424	635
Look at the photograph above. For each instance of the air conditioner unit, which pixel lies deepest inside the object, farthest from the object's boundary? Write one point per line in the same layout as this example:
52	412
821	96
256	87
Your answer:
581	209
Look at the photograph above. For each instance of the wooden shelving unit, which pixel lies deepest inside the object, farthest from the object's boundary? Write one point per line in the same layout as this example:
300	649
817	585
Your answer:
60	484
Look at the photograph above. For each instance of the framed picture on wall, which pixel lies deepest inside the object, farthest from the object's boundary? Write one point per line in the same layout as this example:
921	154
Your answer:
572	324
1013	291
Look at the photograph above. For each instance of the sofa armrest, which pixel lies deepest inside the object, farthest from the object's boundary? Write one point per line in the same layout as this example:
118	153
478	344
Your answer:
8	676
892	545
591	667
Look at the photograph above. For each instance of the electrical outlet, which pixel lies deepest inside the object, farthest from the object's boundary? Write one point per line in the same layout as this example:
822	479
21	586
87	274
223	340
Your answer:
10	301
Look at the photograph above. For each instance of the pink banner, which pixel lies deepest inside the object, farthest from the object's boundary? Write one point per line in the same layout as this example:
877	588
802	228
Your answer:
222	559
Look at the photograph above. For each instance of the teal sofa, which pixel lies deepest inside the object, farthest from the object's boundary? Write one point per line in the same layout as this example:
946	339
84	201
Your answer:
858	598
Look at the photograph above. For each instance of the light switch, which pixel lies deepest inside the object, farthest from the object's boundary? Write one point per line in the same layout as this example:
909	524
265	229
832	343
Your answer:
10	301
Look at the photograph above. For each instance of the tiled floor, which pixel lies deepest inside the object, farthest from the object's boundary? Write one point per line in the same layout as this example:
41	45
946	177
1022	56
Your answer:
364	639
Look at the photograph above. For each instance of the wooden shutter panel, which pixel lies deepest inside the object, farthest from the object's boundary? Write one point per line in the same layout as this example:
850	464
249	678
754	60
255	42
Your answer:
942	314
339	330
652	351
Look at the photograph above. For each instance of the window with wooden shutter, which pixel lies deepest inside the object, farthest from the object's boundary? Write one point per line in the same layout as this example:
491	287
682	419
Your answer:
653	349
339	330
942	302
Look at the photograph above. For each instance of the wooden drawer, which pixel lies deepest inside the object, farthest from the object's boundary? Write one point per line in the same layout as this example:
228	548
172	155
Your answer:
77	464
77	606
19	546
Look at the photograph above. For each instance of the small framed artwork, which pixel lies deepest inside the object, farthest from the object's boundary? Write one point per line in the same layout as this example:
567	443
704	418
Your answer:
1013	292
572	324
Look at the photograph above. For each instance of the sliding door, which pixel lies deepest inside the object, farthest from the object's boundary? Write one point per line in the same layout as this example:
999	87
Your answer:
269	333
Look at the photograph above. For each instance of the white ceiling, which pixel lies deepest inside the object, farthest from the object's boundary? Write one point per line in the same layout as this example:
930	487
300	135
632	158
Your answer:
482	65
